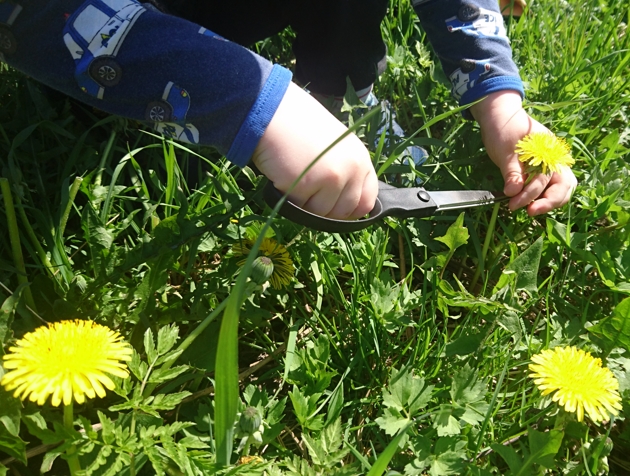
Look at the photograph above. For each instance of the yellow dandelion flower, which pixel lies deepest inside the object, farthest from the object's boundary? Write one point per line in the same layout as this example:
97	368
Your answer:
545	153
579	380
66	359
277	253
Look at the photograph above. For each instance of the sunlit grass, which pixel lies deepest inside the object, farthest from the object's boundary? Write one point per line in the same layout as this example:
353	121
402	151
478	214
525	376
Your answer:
146	243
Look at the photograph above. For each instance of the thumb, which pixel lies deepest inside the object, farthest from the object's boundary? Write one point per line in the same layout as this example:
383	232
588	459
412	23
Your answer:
512	176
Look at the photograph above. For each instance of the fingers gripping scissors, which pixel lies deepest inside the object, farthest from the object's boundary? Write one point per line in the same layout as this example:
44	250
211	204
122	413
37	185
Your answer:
390	202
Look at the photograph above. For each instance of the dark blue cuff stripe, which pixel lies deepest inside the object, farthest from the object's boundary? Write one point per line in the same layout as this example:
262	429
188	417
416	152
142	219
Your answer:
492	85
259	117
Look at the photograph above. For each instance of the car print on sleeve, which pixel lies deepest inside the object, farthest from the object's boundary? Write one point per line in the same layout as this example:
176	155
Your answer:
169	114
468	75
475	21
8	13
94	35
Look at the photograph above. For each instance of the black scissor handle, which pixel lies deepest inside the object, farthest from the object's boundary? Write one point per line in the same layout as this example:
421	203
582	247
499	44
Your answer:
391	201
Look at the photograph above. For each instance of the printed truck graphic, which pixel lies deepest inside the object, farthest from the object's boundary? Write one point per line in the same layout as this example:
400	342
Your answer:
93	35
475	21
468	75
8	13
169	114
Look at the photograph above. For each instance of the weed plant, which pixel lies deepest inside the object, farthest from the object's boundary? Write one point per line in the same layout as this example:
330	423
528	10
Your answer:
390	350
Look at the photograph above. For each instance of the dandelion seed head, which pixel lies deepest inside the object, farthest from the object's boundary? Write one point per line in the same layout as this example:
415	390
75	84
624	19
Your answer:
65	360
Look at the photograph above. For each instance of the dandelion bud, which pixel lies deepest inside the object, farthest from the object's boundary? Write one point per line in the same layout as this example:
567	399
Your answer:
250	420
262	269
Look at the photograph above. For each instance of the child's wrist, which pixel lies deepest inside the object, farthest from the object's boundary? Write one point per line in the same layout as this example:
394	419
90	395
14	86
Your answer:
497	108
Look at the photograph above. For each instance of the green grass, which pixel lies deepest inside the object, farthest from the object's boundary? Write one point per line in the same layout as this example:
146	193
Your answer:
385	353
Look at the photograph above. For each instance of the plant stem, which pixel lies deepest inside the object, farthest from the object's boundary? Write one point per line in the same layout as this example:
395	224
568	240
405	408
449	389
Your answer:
14	237
132	456
486	245
74	189
71	453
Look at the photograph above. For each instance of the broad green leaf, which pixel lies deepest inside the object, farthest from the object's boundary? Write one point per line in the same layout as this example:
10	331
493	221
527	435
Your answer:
12	445
305	408
392	421
614	330
543	447
107	430
510	456
10	412
37	427
465	344
332	436
525	266
167	336
512	322
168	401
447	463
449	456
559	234
445	421
421	448
466	387
149	346
138	367
475	412
406	392
456	235
49	459
327	450
164	375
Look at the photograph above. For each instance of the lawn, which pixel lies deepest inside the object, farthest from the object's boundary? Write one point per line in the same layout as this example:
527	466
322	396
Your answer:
401	349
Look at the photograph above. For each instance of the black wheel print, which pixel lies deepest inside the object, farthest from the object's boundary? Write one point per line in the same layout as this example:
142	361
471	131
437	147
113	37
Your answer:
467	65
468	12
159	111
105	71
8	44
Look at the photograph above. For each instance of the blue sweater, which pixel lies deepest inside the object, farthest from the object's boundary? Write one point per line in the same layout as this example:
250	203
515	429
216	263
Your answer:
192	85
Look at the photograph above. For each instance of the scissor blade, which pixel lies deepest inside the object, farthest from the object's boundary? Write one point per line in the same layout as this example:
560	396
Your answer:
465	199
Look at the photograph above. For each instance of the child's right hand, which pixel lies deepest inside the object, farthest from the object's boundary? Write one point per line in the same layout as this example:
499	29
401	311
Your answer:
503	123
342	184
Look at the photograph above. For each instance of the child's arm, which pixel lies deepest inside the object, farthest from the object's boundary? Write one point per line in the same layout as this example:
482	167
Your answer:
191	85
470	39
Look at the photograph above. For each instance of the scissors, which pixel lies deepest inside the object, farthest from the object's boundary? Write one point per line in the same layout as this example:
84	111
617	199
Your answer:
391	201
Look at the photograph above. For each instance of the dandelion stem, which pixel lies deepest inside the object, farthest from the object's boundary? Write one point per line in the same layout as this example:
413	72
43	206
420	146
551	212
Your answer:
71	452
486	245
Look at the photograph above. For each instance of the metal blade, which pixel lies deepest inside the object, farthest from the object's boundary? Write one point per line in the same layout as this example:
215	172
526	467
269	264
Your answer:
453	200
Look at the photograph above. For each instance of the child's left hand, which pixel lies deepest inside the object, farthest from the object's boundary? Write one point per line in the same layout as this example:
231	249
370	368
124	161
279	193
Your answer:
503	123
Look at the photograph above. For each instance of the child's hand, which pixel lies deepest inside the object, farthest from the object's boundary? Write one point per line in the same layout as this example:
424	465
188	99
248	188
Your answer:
503	123
342	184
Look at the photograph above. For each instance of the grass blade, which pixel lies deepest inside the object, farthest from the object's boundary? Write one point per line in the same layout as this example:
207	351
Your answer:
380	466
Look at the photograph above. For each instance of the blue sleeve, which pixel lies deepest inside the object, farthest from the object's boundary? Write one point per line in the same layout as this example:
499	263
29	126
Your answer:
470	39
128	59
